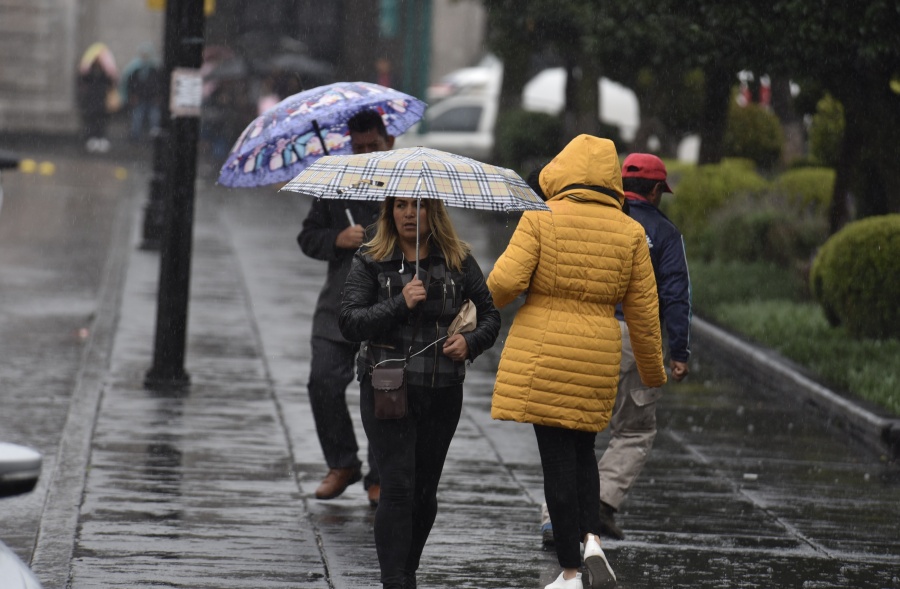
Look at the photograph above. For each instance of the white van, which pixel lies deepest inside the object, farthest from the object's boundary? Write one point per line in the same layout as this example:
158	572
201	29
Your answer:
463	108
462	112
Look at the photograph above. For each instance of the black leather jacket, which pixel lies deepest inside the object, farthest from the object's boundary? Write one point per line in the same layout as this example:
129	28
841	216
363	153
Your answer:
373	311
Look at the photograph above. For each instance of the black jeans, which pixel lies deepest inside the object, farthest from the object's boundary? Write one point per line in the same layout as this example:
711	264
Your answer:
410	453
571	488
331	371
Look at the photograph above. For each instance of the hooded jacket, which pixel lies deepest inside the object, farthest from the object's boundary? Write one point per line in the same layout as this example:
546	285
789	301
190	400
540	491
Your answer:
560	363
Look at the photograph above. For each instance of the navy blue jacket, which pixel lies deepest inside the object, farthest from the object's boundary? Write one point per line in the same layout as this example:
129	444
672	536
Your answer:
671	270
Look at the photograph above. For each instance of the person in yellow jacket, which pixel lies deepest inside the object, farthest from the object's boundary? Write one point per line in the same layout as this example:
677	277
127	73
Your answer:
560	364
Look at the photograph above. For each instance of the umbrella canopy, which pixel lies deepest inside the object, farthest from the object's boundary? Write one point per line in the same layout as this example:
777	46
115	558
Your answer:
99	52
289	136
417	172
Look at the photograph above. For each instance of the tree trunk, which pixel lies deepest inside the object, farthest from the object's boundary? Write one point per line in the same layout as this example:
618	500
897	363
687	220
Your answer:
587	112
791	123
868	174
715	107
515	76
570	110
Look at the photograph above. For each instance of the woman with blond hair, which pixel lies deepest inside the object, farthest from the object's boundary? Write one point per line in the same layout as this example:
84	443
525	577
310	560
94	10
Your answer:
403	318
560	364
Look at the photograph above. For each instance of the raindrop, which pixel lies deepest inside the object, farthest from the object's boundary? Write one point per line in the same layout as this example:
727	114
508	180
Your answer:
750	428
866	477
740	410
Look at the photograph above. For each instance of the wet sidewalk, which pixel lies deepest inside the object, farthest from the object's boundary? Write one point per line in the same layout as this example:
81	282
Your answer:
213	488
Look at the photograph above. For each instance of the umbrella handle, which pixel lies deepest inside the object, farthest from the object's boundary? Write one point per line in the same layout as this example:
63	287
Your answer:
318	131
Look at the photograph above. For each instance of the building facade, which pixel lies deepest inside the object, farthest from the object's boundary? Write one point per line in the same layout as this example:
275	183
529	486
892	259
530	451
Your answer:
409	43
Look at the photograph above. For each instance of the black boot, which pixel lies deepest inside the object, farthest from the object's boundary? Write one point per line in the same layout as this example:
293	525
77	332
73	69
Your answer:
608	525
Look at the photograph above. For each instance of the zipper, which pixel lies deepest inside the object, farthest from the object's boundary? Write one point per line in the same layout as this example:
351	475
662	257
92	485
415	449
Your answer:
437	329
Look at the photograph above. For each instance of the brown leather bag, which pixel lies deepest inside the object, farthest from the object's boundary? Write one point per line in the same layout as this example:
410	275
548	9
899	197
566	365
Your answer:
390	391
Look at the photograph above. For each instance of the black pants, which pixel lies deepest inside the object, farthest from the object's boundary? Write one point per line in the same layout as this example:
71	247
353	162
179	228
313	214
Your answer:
331	371
410	453
571	488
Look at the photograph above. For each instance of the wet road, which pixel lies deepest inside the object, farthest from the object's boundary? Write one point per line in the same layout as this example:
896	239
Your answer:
56	227
213	488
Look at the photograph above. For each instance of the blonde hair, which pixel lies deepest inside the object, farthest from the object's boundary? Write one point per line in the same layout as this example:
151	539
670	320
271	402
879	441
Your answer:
443	234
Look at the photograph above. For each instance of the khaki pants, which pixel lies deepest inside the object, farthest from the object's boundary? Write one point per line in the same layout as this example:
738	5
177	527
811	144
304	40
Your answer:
632	428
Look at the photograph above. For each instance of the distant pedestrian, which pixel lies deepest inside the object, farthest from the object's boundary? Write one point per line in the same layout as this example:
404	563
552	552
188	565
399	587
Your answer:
394	312
332	231
97	77
633	423
141	90
560	364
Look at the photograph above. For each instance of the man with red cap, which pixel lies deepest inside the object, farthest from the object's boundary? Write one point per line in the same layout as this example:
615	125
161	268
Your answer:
633	422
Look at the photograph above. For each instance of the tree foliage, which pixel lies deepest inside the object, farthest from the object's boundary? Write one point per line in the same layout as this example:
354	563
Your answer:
849	49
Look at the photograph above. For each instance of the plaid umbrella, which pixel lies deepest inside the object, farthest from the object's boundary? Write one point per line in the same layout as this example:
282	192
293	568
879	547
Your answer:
302	128
417	172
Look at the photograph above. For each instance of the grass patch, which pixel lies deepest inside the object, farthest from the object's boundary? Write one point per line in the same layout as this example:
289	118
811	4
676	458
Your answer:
767	305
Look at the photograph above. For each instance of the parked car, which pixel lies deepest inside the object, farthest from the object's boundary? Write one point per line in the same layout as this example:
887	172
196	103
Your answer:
8	161
462	112
20	468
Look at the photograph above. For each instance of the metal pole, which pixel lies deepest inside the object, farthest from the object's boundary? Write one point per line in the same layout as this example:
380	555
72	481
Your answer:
154	209
177	238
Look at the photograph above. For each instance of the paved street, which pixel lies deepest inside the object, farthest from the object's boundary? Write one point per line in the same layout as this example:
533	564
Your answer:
213	488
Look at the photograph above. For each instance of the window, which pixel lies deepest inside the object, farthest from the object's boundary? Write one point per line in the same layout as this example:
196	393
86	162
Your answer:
463	119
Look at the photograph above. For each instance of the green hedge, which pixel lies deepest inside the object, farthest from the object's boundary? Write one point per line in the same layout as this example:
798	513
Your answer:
755	133
525	137
804	188
827	131
856	277
703	190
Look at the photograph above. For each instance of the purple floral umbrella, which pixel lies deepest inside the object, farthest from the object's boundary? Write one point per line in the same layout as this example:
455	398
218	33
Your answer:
288	137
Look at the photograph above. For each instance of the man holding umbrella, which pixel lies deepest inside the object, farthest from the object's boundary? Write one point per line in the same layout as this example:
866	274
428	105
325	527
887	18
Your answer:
332	231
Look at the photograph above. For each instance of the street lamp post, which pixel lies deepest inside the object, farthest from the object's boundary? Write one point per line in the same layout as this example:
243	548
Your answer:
180	163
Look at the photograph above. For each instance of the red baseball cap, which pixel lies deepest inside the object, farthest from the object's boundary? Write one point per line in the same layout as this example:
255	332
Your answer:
645	165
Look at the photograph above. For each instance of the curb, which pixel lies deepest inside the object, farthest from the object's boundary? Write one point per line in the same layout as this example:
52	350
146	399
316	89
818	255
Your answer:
57	531
878	433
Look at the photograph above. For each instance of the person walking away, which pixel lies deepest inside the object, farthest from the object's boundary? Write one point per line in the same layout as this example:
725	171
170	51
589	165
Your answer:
633	422
332	231
142	91
560	365
394	312
97	76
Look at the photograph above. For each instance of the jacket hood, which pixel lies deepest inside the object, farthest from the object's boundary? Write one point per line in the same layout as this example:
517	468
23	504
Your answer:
589	167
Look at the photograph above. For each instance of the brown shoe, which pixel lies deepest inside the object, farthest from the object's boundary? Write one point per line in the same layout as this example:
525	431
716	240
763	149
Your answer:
374	492
608	525
336	482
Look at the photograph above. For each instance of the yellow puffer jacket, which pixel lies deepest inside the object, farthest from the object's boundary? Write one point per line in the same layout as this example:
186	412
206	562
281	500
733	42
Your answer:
560	363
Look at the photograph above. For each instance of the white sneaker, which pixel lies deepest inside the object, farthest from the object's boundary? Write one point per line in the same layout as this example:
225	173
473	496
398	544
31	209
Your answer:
560	583
600	574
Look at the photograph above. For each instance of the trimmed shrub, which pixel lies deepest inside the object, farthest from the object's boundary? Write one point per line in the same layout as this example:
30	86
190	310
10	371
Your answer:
856	277
755	133
807	188
524	137
827	131
703	190
765	229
